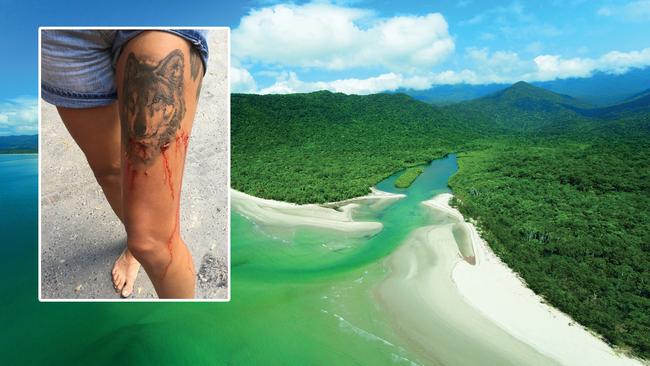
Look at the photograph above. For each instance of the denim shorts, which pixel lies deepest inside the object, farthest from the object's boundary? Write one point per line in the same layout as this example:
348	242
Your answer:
78	65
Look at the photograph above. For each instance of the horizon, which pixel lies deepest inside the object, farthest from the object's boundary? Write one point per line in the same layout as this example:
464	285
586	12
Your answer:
364	47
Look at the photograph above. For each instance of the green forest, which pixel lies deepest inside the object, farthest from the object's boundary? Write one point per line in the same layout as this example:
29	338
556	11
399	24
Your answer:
559	189
409	175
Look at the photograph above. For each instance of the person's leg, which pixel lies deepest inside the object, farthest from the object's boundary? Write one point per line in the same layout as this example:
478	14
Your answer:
97	132
157	94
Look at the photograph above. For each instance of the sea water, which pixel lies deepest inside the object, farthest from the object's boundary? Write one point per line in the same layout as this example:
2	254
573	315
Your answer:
299	296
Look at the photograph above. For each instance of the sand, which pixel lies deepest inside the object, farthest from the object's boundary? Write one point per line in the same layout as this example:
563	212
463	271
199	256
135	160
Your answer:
430	314
335	216
498	293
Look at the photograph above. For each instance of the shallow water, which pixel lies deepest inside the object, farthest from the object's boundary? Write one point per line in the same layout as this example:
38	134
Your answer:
299	296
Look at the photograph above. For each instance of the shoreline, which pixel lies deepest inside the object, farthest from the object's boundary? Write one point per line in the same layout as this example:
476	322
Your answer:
426	309
335	216
498	293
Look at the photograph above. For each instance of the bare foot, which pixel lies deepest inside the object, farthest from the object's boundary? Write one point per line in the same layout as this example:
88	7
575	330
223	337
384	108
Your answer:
125	270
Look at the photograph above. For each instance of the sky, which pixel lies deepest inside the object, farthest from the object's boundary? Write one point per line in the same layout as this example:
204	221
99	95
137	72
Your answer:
362	47
354	46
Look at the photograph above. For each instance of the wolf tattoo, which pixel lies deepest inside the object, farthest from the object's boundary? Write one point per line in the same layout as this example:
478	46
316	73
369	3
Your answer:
153	106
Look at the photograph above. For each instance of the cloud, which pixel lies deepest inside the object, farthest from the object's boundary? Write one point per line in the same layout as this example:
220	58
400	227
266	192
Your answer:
485	67
19	116
551	67
322	35
241	81
290	83
635	10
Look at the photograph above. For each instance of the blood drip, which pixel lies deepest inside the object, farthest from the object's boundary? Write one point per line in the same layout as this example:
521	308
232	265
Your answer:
182	138
170	241
167	176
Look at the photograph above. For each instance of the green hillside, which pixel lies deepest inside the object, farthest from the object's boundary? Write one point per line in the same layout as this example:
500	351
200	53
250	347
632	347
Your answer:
561	196
323	147
522	108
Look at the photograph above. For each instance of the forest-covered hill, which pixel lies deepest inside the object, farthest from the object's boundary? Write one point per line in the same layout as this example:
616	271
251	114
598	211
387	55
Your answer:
560	191
323	147
18	144
601	88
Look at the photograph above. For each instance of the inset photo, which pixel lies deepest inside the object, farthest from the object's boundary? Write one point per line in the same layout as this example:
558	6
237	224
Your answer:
134	164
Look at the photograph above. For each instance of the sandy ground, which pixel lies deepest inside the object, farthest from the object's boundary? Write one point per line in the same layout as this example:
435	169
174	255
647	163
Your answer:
498	293
427	310
81	236
334	216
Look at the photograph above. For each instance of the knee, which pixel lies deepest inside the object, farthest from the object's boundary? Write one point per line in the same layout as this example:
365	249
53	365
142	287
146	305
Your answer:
145	246
106	174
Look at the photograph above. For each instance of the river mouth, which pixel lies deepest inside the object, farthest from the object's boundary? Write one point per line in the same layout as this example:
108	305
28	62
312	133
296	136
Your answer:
357	294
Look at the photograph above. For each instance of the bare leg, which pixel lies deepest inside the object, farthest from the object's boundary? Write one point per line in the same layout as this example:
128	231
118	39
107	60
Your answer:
157	93
97	132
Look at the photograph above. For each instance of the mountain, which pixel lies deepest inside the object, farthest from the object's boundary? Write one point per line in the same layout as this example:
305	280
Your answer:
599	89
638	103
521	107
602	88
560	194
331	146
453	93
19	143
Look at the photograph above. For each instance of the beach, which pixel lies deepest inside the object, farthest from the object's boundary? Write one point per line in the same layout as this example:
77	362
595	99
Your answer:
335	216
498	293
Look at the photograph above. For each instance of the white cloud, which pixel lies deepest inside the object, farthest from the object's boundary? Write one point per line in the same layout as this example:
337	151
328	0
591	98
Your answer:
322	35
486	67
19	116
634	10
495	67
551	67
241	81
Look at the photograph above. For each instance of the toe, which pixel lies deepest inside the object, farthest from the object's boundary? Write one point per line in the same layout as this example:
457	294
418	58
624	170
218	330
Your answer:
127	290
119	282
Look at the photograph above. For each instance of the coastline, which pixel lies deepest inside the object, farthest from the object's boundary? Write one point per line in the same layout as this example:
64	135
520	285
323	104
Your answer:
498	293
335	216
428	312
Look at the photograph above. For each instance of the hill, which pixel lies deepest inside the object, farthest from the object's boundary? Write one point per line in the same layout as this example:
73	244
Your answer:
323	146
562	196
18	144
521	107
599	89
638	103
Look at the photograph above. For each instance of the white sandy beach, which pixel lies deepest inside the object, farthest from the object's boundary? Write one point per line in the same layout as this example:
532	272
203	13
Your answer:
429	313
493	289
286	214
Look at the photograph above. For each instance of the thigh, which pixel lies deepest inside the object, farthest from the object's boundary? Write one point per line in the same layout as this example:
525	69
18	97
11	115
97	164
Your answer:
97	132
157	102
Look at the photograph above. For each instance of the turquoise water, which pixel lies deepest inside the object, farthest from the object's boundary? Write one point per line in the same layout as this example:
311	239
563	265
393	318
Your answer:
303	297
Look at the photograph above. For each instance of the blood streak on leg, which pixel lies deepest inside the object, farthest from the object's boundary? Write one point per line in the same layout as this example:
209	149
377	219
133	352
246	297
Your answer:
170	241
182	138
167	172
